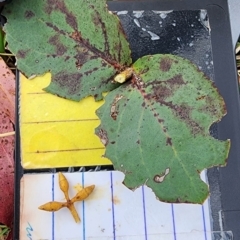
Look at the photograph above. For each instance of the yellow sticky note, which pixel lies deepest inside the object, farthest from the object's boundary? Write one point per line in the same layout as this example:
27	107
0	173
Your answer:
56	132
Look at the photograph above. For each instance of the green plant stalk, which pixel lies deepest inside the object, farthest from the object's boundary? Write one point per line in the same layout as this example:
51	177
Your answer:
4	230
2	40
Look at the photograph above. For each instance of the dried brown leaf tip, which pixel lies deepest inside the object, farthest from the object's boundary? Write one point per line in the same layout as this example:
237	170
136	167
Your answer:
64	186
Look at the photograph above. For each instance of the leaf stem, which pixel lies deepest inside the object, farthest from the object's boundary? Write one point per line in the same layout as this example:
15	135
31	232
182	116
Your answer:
124	76
7	54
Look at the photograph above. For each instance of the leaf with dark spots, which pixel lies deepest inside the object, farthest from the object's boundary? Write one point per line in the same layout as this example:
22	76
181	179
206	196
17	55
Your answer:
29	14
60	6
160	130
7	118
22	53
59	47
165	64
168	141
80	42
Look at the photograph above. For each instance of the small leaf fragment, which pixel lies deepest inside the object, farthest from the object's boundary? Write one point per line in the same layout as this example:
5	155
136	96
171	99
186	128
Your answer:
156	128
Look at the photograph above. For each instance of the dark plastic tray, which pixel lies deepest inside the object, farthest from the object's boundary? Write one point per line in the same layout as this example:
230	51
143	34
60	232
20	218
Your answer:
224	182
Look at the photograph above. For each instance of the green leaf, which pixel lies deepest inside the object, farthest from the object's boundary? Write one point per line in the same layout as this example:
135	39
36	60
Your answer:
79	41
156	128
4	230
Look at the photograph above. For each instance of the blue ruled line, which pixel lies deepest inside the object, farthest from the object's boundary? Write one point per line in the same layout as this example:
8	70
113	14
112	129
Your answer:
83	211
113	215
144	213
173	222
204	223
53	212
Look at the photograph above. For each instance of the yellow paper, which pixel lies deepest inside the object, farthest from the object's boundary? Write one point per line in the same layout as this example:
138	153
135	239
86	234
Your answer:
56	132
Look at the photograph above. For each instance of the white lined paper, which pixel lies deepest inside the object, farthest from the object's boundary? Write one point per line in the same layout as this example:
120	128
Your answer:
111	212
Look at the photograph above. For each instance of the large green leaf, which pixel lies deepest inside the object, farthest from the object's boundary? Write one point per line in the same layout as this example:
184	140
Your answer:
79	41
156	128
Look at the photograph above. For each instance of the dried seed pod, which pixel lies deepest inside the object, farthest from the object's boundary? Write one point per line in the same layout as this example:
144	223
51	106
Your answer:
83	194
63	183
52	206
64	186
74	212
